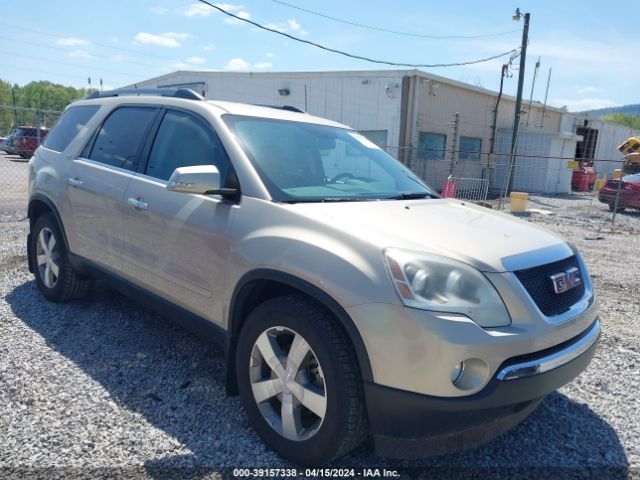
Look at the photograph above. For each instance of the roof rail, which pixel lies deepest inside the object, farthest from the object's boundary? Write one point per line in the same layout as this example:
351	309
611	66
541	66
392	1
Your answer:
289	108
162	92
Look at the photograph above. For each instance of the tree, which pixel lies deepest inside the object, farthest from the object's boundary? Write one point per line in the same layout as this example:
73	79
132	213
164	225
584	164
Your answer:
38	95
631	121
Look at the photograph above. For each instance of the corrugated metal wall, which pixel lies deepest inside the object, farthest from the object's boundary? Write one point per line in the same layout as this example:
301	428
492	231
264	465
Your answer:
360	100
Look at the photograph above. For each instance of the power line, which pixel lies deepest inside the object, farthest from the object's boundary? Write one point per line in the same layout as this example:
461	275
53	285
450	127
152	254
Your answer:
92	55
380	29
20	55
79	76
351	55
104	45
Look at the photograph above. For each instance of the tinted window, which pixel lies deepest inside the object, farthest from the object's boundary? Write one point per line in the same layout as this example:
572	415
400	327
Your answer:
431	145
185	140
121	135
470	148
69	125
26	132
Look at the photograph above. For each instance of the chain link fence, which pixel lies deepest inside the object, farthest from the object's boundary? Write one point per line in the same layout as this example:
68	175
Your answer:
484	178
464	173
22	130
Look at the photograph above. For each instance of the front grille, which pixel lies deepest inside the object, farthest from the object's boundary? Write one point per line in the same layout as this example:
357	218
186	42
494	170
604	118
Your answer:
537	282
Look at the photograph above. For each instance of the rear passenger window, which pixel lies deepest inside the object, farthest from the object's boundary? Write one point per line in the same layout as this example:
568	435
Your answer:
185	140
121	136
68	126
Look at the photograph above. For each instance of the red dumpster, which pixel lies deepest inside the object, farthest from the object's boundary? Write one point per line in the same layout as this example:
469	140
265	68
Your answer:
583	180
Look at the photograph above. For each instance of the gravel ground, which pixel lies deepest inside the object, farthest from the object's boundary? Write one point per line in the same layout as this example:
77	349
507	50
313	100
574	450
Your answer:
103	387
13	186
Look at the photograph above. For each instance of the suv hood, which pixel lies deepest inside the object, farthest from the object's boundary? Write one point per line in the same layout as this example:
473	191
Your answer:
488	240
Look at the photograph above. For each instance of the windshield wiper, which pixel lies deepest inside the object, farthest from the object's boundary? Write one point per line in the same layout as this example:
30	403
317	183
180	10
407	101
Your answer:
330	199
410	196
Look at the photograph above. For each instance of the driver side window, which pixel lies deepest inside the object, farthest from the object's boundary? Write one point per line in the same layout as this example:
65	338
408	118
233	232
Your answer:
184	140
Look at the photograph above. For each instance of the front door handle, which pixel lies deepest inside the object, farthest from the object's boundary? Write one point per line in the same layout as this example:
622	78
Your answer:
137	203
74	182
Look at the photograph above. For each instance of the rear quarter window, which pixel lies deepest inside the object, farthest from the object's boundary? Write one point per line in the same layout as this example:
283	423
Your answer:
69	125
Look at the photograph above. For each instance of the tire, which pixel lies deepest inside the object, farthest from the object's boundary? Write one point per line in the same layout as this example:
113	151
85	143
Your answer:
329	369
67	284
620	208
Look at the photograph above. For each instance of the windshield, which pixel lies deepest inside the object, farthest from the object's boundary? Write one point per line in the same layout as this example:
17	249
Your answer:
305	162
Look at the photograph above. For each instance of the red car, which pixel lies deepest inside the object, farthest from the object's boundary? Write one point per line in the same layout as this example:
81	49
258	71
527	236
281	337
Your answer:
26	139
629	193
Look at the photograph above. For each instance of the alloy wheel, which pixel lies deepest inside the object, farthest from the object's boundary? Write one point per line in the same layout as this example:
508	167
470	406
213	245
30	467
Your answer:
48	257
287	383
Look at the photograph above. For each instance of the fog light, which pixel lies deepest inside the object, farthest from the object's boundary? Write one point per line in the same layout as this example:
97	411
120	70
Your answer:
457	372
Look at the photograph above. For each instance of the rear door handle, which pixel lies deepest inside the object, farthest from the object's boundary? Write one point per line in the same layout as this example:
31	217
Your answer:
137	204
74	182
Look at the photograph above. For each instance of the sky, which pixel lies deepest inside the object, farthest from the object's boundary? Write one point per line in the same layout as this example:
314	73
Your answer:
591	46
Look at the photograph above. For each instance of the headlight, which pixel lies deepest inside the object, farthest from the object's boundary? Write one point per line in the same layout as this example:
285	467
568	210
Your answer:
436	283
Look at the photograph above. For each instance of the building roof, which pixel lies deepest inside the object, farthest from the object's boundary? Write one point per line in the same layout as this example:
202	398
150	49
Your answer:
346	73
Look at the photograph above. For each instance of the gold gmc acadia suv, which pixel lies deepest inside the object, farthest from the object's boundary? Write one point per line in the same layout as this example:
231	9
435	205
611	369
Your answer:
352	301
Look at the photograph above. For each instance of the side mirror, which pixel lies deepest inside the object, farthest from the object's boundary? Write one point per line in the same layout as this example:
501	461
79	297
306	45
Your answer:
199	179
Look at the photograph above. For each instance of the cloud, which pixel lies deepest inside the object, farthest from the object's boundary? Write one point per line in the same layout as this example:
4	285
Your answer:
72	42
263	65
290	25
196	60
235	21
202	10
178	66
177	36
584	90
237	64
115	40
118	58
169	39
159	10
295	27
581	104
209	47
269	55
278	27
79	54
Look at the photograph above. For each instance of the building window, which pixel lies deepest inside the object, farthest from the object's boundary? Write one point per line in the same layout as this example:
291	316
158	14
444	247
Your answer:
431	145
379	137
470	148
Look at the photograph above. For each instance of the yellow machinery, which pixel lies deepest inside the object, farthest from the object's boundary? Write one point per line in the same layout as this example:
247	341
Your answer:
630	147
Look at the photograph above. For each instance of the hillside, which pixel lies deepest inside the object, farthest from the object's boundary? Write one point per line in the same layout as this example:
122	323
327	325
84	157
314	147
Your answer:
633	109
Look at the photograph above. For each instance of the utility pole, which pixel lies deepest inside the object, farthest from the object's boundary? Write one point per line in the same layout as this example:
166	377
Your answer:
454	146
494	128
516	120
533	84
546	94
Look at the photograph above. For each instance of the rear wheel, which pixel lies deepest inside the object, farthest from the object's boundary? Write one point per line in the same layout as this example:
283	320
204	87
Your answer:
619	209
55	276
299	381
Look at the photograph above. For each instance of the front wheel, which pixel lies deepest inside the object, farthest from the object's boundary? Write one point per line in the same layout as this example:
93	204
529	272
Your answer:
55	276
299	381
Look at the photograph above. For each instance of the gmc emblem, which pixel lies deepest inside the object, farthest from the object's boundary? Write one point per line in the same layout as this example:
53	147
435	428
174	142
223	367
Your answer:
566	280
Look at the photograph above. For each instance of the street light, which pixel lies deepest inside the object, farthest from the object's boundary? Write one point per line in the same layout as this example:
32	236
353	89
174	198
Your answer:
517	15
516	121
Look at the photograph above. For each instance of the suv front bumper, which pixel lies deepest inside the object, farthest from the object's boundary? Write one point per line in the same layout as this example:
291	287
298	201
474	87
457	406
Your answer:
408	425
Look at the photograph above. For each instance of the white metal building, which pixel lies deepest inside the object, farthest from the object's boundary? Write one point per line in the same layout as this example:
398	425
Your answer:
438	126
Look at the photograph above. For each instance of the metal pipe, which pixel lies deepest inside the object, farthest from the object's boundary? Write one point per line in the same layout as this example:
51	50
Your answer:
516	120
533	84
